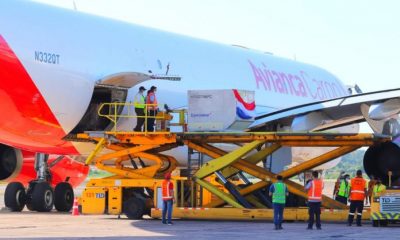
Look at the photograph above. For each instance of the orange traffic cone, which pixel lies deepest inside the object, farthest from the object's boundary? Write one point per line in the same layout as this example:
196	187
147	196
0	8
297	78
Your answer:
75	210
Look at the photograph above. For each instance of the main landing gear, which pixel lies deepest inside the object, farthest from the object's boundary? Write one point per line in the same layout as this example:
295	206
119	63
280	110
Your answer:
39	195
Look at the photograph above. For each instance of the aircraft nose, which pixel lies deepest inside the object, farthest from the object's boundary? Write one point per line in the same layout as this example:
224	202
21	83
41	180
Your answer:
26	120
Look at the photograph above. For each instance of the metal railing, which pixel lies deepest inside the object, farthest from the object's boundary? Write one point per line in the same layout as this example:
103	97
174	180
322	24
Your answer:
117	110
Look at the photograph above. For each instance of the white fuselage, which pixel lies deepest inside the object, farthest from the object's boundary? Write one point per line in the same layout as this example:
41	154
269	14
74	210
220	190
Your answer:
66	53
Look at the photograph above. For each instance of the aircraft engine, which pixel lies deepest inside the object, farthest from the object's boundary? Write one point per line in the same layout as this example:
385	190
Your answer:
19	166
11	161
382	158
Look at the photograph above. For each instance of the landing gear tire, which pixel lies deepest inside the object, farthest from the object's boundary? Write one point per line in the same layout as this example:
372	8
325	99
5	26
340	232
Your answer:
15	197
29	192
42	197
63	197
29	206
134	208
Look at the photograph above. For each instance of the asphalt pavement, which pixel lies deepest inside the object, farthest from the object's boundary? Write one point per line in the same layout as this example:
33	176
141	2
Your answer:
54	225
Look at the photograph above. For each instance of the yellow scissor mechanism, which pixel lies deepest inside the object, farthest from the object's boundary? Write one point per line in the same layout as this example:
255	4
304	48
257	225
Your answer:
215	183
252	149
127	146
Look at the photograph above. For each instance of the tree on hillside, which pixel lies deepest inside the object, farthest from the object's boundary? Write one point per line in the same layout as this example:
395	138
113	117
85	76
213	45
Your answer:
349	164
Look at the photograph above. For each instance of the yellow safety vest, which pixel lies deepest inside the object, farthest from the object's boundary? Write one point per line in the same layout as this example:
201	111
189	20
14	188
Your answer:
140	102
378	188
344	189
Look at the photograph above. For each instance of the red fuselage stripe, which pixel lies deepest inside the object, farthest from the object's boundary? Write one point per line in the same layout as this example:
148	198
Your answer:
26	120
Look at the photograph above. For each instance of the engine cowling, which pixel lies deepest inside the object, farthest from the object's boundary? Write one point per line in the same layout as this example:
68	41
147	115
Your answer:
382	158
19	166
11	161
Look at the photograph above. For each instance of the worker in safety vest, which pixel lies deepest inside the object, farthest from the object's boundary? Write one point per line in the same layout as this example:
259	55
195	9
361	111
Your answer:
337	184
152	108
371	185
314	188
168	199
358	192
378	188
343	191
279	192
139	103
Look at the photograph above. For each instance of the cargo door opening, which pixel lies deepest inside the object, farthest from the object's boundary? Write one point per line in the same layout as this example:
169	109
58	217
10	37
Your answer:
91	121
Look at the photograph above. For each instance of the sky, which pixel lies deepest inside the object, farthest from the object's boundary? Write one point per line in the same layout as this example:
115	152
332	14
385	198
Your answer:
355	40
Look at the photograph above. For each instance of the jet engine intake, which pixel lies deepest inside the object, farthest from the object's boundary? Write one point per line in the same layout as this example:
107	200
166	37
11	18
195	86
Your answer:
382	158
11	161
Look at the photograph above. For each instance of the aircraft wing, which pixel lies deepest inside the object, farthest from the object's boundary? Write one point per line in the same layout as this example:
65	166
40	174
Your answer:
372	107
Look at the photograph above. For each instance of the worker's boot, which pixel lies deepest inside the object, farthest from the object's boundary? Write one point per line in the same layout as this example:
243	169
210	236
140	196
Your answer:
276	227
280	226
358	220
350	220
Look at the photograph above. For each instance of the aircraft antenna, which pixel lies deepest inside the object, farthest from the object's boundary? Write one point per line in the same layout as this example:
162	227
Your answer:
74	3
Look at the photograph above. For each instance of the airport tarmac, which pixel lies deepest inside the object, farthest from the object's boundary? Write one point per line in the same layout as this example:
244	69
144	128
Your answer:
33	225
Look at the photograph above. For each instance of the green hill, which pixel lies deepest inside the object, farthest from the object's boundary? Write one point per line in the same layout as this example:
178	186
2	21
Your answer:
350	163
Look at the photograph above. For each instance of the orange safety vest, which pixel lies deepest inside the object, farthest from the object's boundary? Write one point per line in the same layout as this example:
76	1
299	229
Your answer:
315	191
357	190
167	186
154	103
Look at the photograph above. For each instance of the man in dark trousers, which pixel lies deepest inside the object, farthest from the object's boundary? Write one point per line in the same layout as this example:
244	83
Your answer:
168	199
358	192
140	106
314	188
279	192
152	108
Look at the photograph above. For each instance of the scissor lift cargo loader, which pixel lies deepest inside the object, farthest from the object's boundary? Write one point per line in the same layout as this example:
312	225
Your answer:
136	190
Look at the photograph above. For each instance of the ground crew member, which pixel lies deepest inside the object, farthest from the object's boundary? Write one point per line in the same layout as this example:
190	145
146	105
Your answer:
344	190
152	108
358	192
168	199
371	185
279	192
139	103
314	188
378	188
337	184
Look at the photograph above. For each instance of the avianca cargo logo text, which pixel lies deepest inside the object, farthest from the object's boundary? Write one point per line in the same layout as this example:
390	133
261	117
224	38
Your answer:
296	84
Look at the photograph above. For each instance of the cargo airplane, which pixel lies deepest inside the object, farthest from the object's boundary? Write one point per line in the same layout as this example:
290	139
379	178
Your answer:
57	66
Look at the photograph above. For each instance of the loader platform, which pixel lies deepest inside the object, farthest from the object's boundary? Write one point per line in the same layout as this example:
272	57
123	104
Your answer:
220	188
